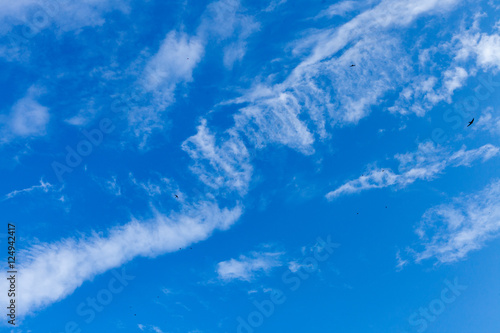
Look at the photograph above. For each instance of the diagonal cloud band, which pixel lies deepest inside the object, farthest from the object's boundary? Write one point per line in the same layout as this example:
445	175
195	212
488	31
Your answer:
50	272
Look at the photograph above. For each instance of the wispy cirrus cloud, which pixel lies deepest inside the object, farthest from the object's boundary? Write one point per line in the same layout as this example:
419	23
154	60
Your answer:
425	164
224	24
219	163
52	271
44	187
172	65
67	15
274	4
246	268
273	117
426	91
111	185
322	90
149	328
438	84
448	232
227	21
488	121
339	9
156	187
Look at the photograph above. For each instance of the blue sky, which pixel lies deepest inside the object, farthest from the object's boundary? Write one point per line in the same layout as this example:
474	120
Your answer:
219	166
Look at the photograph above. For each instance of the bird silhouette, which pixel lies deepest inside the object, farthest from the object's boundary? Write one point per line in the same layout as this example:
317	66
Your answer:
353	65
176	196
470	122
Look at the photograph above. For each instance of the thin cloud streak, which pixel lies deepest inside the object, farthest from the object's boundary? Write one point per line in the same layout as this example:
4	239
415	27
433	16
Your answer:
425	164
52	271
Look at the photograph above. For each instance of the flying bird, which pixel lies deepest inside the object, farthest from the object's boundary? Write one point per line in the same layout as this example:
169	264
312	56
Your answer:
470	122
176	196
353	65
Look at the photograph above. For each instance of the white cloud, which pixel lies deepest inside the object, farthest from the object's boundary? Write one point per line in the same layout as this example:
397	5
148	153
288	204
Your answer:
44	186
274	4
354	96
454	79
425	163
155	188
488	122
389	13
27	117
225	20
170	65
488	51
156	329
234	52
246	268
465	157
274	118
51	271
22	21
450	231
219	165
323	90
294	266
149	328
339	9
84	116
178	56
401	263
113	187
427	90
485	48
66	14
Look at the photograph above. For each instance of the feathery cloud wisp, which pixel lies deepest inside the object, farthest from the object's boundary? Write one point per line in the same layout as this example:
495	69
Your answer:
425	163
52	271
246	268
450	231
